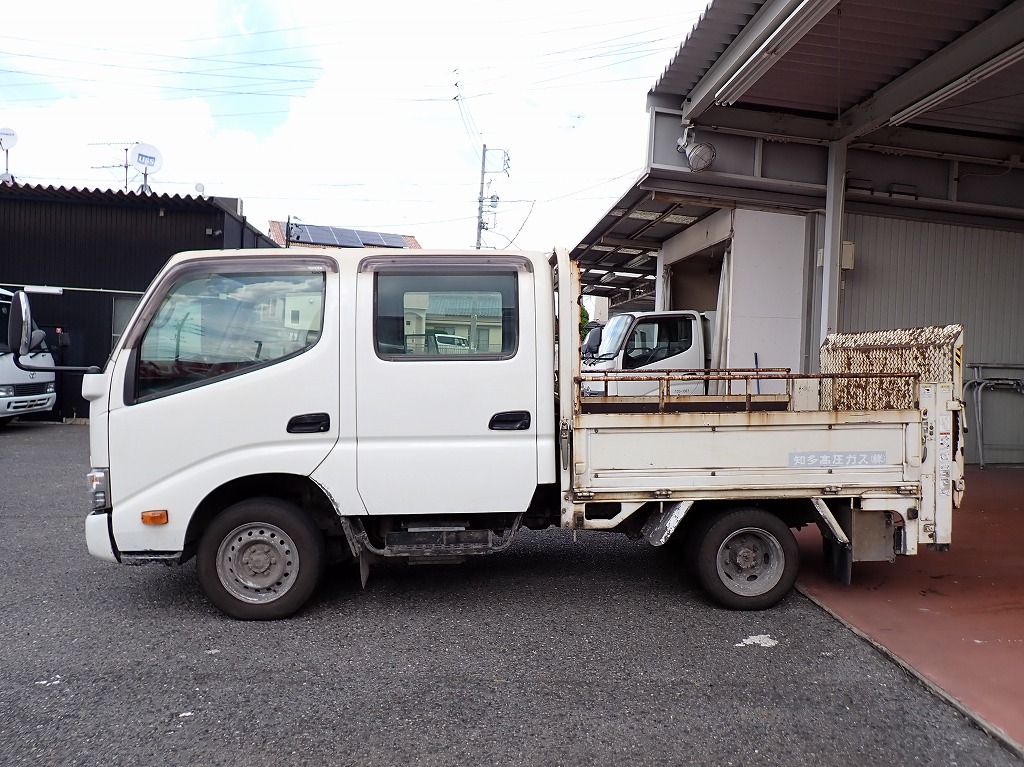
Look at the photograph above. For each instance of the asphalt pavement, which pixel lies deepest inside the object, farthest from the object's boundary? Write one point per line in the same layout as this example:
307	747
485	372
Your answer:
563	650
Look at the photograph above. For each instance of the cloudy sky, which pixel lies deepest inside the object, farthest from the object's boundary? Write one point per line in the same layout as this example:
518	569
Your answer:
368	115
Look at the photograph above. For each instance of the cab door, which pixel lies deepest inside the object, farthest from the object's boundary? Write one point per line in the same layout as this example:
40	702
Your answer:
662	342
446	428
230	372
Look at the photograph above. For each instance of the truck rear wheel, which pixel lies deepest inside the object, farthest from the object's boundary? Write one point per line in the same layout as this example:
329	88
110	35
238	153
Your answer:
747	559
261	559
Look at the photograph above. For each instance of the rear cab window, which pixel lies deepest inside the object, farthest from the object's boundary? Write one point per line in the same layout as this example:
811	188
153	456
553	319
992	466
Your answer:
456	314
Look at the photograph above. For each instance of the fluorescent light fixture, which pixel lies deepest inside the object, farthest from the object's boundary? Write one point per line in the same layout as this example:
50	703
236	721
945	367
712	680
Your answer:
638	261
993	66
608	277
45	290
792	29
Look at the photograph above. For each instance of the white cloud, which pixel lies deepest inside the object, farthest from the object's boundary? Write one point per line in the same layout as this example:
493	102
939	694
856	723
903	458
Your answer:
343	117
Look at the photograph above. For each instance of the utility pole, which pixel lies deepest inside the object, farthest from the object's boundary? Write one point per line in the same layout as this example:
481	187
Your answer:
480	207
480	224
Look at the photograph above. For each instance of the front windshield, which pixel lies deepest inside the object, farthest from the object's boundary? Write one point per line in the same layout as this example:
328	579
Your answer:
5	310
614	333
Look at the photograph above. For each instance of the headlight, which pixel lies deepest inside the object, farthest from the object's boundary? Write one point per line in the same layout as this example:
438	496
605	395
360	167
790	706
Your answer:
7	390
98	488
51	388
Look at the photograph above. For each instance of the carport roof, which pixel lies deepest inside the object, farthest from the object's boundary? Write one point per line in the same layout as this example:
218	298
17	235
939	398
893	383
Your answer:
918	76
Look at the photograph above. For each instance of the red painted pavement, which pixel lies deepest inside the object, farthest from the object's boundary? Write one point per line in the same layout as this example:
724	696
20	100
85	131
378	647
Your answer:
956	618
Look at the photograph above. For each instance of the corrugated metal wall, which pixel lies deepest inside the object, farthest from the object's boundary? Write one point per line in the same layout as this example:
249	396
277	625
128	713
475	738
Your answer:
78	242
911	273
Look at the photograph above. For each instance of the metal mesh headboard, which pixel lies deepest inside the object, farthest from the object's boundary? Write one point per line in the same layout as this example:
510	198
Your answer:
928	352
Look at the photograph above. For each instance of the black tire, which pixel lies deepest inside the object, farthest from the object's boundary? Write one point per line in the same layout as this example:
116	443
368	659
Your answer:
694	534
6	420
261	559
747	559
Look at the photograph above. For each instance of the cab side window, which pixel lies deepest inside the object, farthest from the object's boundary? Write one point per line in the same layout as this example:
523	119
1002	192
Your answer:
212	326
655	340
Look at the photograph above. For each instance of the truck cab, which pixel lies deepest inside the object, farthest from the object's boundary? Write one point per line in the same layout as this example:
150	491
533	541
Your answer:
643	342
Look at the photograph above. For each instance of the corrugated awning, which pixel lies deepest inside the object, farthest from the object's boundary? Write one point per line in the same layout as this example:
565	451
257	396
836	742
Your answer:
915	78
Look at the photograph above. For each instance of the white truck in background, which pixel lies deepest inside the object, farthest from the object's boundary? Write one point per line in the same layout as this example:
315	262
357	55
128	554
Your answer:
274	447
23	391
639	342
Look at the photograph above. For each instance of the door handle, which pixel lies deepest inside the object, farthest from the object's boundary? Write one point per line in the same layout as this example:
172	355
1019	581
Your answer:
309	423
510	420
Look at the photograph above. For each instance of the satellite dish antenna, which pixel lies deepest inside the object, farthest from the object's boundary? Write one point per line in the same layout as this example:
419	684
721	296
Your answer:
200	189
8	138
147	159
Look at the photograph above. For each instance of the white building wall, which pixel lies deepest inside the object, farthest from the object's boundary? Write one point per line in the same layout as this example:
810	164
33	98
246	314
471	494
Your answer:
767	290
763	302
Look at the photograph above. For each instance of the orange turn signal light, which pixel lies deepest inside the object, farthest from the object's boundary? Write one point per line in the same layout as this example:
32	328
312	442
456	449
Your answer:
154	517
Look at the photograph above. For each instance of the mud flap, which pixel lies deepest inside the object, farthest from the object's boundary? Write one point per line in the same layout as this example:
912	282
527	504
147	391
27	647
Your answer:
364	567
835	544
838	559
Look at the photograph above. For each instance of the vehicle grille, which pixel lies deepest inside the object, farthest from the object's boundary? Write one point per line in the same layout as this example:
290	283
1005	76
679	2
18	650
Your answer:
22	390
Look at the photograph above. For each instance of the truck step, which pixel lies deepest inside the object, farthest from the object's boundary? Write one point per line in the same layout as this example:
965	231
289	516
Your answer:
438	542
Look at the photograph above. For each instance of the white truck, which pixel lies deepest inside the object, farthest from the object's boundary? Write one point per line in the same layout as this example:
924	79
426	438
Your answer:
648	341
23	391
223	428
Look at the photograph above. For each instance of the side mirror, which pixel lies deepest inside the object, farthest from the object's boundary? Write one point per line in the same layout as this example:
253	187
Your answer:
592	342
20	337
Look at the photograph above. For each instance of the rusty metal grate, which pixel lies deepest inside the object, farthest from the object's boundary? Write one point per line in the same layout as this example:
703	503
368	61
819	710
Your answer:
926	352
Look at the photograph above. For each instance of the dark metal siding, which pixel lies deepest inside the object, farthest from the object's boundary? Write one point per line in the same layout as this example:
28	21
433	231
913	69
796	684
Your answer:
99	241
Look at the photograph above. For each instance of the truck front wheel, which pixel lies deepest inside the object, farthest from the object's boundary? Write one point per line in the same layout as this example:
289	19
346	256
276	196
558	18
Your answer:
747	559
260	559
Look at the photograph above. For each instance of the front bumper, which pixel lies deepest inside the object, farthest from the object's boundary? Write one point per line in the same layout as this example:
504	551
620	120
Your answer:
12	406
99	537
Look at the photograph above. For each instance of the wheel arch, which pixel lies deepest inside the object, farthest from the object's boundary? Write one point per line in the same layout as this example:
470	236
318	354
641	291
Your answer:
294	488
795	512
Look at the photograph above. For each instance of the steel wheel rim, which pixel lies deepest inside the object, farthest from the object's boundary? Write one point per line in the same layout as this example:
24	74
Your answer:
750	562
257	563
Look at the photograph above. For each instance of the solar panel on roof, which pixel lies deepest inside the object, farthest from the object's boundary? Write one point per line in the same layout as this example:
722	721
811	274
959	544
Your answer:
346	238
340	237
321	235
370	239
394	240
